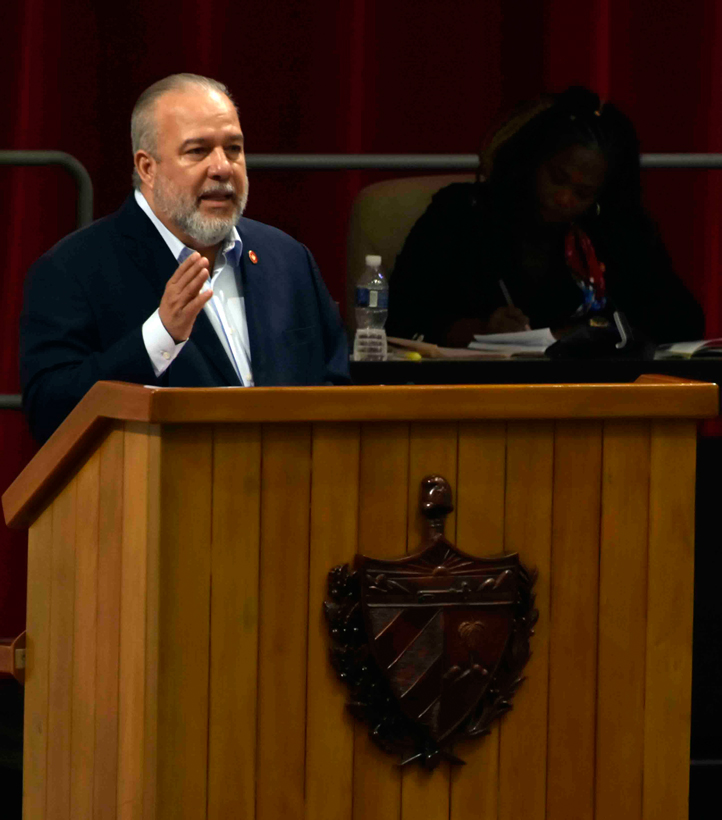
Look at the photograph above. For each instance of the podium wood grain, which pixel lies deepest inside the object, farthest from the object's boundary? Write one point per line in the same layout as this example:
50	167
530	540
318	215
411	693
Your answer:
139	539
35	721
479	531
107	658
574	598
60	680
383	496
233	684
177	654
670	591
184	620
622	620
82	758
334	534
528	524
283	625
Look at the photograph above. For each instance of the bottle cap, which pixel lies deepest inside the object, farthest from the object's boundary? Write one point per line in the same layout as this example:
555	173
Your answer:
373	259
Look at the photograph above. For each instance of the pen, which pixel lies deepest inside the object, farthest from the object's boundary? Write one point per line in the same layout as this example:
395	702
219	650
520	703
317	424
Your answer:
507	296
505	291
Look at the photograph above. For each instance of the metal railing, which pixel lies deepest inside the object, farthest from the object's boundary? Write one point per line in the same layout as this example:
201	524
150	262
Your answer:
76	169
10	401
315	162
324	162
434	162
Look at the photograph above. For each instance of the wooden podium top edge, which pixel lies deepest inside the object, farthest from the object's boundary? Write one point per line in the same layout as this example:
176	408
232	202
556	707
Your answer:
651	396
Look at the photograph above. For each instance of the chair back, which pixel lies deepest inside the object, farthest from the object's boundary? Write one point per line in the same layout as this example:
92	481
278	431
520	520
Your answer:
382	216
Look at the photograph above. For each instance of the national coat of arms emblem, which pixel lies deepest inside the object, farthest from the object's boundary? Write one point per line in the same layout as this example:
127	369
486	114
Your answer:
431	645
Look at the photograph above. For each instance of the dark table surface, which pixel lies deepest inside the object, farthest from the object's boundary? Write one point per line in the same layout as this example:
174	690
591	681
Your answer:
531	371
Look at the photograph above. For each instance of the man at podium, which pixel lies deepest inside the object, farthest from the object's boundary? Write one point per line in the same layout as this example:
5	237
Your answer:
176	288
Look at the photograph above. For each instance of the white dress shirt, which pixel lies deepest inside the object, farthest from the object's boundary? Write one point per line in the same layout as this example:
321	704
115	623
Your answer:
226	309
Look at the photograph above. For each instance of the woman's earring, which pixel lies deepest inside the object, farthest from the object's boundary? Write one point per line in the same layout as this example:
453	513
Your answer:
599	209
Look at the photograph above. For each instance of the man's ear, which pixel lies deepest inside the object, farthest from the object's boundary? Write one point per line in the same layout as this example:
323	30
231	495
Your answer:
145	165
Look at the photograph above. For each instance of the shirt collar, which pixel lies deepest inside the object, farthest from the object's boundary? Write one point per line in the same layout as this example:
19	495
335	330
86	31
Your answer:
232	247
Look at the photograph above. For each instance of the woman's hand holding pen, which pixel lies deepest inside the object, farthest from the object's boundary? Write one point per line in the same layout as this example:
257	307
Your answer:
507	319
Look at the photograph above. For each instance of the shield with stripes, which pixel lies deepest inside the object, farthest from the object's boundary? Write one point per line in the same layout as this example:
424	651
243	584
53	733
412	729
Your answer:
438	624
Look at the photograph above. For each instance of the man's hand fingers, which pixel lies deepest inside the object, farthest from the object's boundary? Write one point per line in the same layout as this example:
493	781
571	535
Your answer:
192	288
189	274
194	307
184	266
183	299
176	296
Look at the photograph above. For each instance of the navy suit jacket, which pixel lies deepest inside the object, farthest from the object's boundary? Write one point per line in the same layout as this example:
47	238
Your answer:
87	298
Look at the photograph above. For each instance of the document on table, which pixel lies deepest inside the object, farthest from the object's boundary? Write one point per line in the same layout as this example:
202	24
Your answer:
523	343
686	350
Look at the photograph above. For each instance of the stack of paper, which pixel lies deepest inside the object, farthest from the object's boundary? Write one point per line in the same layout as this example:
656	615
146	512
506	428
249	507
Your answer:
524	343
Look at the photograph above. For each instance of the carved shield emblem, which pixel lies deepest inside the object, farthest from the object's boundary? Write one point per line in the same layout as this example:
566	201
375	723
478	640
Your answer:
432	644
438	623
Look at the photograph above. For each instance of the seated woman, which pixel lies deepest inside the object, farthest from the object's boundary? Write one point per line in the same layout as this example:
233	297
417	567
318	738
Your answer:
554	235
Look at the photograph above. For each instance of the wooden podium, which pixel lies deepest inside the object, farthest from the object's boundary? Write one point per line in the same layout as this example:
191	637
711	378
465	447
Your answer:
177	654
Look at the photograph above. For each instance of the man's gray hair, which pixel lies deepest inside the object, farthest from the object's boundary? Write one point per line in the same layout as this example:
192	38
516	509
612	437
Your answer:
143	127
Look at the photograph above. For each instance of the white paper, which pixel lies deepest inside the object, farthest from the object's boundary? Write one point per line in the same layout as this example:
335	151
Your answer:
685	350
525	341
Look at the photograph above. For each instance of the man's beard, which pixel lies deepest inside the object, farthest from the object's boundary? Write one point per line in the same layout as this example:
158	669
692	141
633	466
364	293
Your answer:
182	209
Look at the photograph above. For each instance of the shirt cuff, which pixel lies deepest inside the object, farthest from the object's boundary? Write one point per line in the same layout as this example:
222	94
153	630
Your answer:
159	344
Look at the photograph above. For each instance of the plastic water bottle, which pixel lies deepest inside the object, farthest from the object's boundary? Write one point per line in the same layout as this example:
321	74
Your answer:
372	295
372	307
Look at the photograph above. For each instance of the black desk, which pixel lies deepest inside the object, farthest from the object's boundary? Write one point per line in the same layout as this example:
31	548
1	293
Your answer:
531	371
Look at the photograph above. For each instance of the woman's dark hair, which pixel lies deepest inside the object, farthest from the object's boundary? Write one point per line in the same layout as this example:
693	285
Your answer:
538	131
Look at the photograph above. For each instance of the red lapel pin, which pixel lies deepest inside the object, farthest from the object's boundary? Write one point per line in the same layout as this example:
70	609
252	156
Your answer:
252	256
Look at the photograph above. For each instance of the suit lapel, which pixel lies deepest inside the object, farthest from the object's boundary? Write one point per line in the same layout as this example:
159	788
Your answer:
149	252
255	280
145	246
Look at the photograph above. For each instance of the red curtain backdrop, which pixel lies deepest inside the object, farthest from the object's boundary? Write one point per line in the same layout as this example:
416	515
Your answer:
329	76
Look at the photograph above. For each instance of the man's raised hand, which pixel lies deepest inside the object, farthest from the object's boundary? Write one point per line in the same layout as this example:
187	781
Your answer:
182	299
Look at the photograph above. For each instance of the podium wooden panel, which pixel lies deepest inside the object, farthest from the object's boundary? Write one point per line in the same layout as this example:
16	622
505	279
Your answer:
179	544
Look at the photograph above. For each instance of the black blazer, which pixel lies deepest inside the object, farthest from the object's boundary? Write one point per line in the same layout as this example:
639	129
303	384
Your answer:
87	298
451	263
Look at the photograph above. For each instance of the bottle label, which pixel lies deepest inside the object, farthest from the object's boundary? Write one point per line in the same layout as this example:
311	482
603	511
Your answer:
366	298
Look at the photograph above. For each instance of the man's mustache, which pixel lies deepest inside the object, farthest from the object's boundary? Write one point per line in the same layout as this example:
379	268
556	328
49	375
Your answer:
220	189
